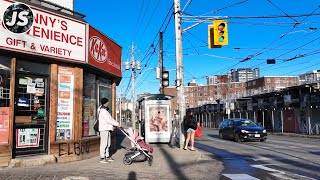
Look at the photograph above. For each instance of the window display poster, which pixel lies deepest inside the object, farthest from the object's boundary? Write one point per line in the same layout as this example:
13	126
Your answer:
65	103
89	116
157	122
28	137
4	125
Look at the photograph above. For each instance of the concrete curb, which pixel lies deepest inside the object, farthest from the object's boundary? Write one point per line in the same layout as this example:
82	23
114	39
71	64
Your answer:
296	135
32	161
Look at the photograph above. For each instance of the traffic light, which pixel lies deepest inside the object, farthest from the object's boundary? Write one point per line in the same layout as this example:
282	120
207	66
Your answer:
165	79
220	28
211	37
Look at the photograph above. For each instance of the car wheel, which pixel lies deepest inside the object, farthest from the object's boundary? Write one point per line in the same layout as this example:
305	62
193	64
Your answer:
221	135
237	138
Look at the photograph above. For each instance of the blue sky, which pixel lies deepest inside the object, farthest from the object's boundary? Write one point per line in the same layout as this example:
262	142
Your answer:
260	38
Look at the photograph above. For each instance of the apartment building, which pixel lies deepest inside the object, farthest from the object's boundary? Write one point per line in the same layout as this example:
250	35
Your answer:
268	84
244	74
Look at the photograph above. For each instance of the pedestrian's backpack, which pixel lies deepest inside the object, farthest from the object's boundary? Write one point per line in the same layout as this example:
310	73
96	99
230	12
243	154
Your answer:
96	123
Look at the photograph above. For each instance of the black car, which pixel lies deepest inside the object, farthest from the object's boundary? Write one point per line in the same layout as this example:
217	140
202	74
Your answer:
241	129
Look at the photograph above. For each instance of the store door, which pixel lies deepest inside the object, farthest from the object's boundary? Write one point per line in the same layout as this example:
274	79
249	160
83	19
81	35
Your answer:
31	115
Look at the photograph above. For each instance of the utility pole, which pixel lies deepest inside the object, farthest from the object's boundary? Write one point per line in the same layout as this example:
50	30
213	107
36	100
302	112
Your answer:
132	82
120	106
161	60
134	65
228	96
180	78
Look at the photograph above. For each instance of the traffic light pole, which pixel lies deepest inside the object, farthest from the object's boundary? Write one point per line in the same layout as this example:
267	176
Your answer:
180	78
161	60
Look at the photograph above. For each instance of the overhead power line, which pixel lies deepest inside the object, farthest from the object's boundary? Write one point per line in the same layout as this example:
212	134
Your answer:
210	18
214	11
282	11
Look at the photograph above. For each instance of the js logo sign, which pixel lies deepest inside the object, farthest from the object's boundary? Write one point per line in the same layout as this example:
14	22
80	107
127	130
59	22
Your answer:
18	18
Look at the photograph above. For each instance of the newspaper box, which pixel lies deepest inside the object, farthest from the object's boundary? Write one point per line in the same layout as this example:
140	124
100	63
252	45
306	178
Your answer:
155	123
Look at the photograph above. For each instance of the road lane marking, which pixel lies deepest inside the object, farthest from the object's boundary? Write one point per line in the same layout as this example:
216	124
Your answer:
267	169
214	139
281	174
240	177
271	159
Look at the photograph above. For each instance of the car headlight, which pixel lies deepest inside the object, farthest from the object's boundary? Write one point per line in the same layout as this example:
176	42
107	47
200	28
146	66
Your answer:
244	131
264	131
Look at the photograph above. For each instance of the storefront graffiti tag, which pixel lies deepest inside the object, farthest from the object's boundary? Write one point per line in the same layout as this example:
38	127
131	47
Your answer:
77	148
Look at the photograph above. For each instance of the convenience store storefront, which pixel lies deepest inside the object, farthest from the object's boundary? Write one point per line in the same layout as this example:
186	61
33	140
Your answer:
52	75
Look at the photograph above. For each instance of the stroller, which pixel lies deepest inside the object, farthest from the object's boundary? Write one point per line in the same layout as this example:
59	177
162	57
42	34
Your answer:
139	151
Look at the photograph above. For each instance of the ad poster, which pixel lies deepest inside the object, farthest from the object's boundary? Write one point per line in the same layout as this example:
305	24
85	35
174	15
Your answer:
65	103
89	114
27	137
4	125
157	122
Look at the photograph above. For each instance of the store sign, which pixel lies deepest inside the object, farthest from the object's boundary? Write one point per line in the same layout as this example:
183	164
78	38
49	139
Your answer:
104	53
18	18
32	30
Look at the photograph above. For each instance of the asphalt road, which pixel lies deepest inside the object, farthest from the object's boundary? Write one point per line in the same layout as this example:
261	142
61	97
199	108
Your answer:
281	157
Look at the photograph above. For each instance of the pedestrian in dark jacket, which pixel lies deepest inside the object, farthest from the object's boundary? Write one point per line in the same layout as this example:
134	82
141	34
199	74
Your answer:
190	126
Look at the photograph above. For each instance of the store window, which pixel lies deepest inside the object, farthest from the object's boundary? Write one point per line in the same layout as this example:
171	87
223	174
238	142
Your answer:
91	100
89	104
31	108
5	74
105	91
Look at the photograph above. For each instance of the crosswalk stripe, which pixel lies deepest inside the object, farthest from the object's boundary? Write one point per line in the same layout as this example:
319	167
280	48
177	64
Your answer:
261	158
267	169
281	174
240	177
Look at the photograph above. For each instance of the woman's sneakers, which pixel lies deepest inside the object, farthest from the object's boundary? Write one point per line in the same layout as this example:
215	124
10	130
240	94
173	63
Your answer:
104	161
109	159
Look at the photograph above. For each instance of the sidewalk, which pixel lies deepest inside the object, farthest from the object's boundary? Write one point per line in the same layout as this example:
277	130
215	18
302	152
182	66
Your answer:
168	163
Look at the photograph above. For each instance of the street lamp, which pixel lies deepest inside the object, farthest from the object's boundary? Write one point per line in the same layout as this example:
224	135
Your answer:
133	65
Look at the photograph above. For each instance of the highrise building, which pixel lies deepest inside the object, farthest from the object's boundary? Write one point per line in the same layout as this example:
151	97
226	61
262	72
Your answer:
244	74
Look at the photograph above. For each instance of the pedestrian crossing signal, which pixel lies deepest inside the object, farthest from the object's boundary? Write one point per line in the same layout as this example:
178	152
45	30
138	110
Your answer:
165	79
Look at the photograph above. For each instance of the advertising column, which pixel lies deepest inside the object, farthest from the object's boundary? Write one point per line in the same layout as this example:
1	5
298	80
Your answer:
65	103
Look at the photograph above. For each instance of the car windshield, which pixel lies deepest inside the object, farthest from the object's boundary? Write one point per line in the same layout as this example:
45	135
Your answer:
245	122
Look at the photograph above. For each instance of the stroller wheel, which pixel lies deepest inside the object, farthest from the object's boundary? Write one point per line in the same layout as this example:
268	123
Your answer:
150	160
127	160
